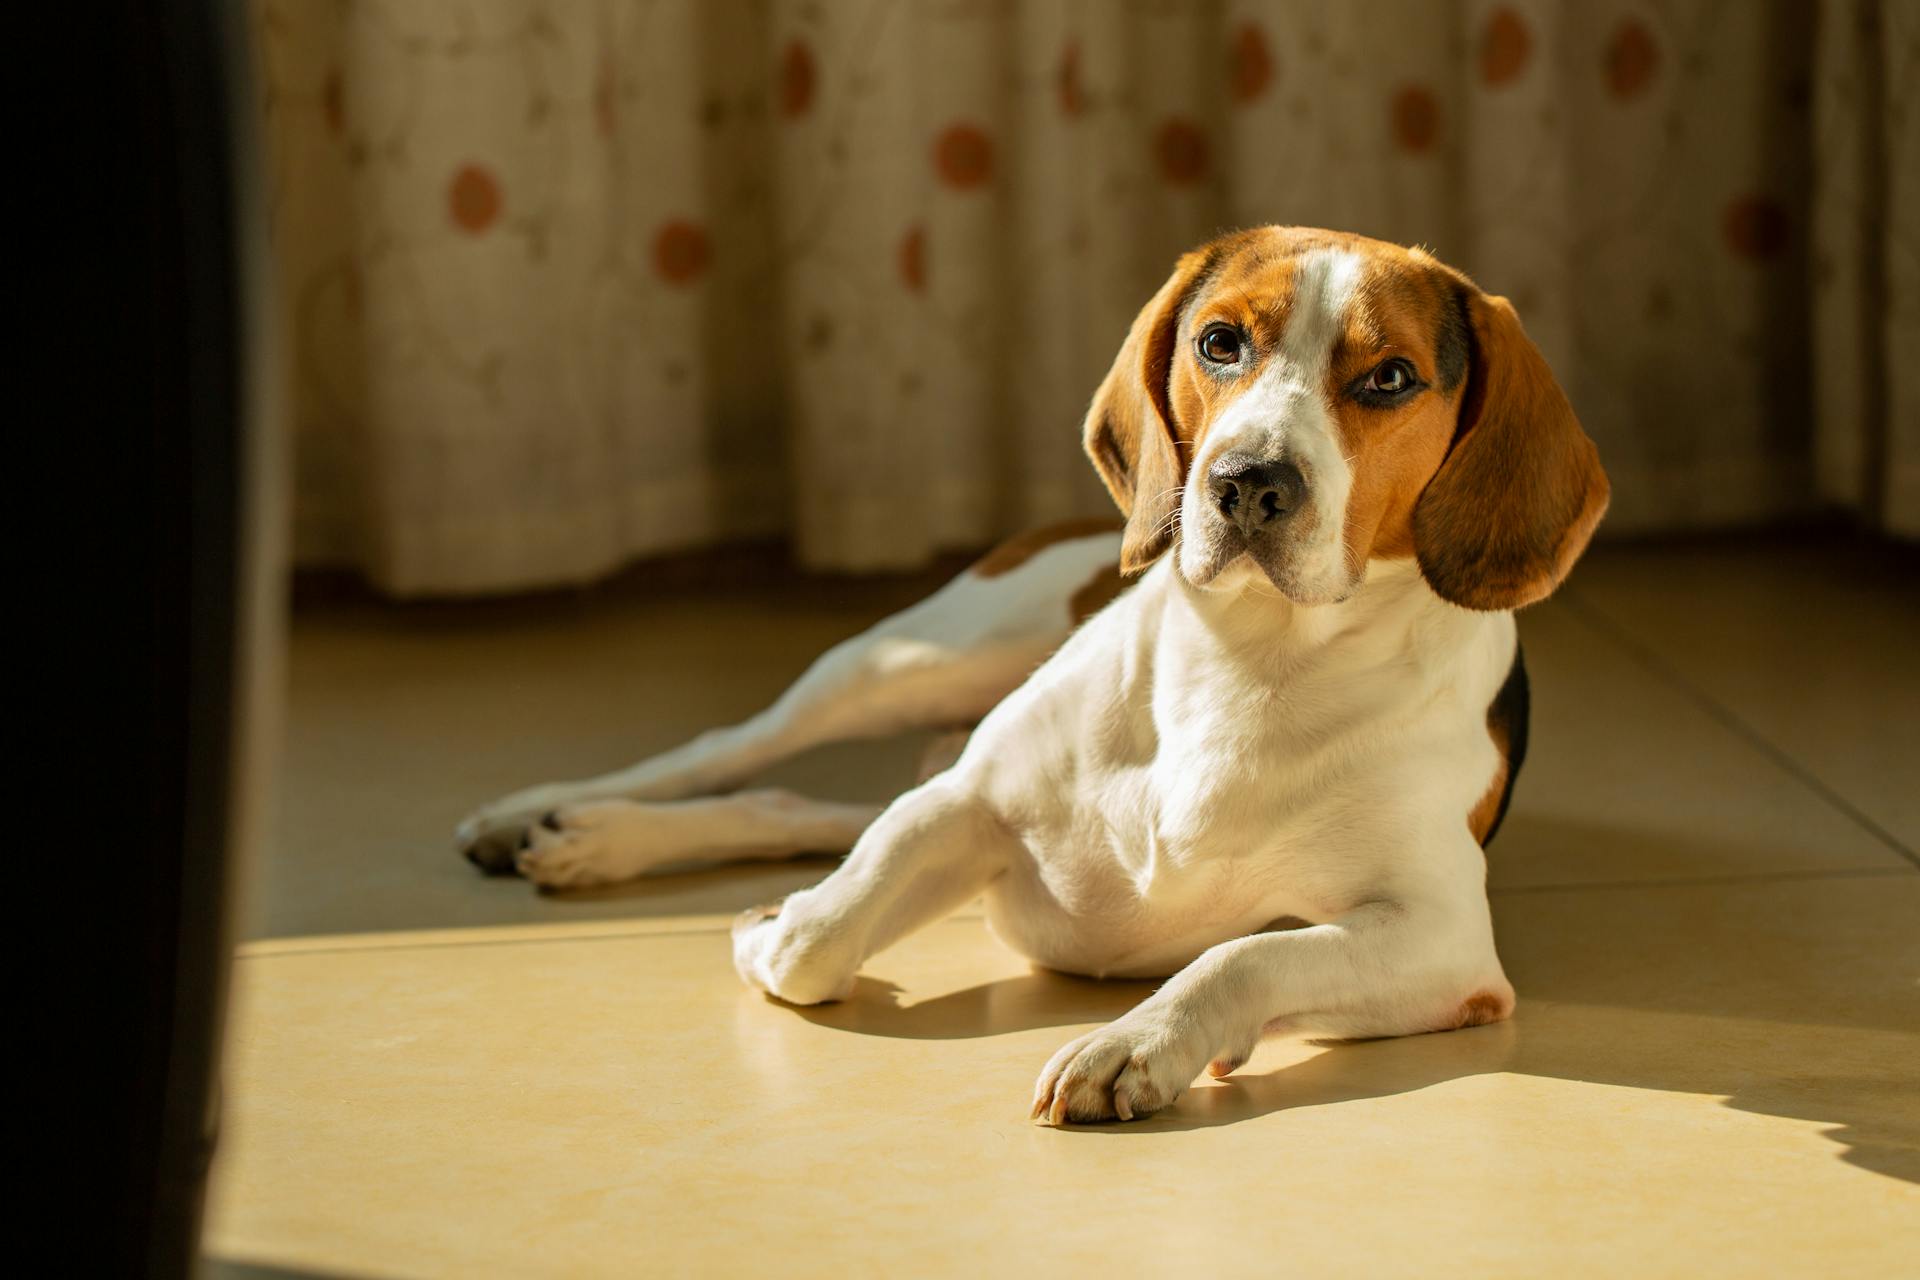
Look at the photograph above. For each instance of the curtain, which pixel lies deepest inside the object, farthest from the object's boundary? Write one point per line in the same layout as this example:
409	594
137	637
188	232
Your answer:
1865	224
578	281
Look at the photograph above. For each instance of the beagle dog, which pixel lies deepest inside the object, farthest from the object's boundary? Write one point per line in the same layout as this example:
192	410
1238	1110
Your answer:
1267	767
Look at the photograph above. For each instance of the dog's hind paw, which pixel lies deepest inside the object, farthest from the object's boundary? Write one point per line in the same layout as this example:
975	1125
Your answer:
491	846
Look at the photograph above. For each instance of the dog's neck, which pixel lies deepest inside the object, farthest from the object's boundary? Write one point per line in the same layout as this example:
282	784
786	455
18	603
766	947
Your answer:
1241	619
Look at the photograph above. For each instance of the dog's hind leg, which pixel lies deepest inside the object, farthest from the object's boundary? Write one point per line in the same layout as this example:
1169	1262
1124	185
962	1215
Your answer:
946	661
608	841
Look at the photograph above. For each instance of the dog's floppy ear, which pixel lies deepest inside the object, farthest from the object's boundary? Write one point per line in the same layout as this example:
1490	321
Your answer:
1521	489
1129	429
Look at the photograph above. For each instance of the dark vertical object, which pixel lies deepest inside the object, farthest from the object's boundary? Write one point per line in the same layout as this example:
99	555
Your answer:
1876	311
175	451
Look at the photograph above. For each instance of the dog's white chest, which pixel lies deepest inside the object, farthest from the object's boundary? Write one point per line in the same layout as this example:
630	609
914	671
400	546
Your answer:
1179	830
1171	795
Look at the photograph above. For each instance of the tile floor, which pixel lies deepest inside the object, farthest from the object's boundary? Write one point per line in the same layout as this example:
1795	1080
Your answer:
1707	895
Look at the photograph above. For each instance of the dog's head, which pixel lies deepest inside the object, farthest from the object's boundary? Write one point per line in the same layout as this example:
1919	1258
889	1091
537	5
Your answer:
1297	403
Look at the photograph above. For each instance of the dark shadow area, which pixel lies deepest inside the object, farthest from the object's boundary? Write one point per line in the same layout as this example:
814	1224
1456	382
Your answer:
212	1268
1037	999
1742	989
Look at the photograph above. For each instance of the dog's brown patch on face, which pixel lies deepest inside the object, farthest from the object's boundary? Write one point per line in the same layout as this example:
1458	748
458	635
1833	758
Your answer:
1022	547
1407	307
1481	1008
1482	474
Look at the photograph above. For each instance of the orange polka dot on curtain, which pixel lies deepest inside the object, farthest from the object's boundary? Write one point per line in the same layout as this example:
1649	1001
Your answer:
912	259
605	104
474	199
1180	151
963	156
1632	59
799	76
333	101
1414	114
1066	81
1505	46
1249	63
681	252
1756	228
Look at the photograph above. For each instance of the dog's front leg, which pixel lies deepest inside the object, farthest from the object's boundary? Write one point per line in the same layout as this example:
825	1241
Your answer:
932	849
1384	969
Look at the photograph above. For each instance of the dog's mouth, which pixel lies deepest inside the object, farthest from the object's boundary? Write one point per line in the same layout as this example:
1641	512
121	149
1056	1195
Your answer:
1215	556
1218	556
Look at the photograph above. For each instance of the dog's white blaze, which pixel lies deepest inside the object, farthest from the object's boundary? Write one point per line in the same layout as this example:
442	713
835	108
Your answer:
1287	409
1324	287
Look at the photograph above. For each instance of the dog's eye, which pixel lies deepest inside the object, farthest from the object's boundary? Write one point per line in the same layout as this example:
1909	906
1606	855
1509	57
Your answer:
1393	378
1220	344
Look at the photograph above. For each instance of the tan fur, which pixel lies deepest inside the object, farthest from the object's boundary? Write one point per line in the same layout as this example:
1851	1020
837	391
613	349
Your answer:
1096	595
1489	482
1394	453
1129	431
1518	496
1022	547
1480	1009
1480	821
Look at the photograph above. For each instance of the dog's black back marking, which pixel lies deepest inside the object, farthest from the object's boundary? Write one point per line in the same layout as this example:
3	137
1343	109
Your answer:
1507	720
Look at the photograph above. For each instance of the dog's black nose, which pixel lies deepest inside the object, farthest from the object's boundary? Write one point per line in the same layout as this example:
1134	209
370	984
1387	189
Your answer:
1253	492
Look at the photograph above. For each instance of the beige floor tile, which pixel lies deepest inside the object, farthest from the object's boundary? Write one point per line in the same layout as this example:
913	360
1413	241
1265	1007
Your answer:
1703	1081
1628	781
1812	641
400	722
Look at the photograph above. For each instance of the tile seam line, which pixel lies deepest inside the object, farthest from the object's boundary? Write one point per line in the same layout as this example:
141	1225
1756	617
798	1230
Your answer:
1597	621
1763	877
1729	878
241	953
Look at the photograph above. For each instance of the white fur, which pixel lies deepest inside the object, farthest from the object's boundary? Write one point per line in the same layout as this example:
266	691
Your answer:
1286	410
1188	768
599	842
1204	759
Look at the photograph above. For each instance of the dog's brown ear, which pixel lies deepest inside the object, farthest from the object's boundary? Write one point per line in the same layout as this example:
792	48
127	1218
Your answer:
1129	430
1520	491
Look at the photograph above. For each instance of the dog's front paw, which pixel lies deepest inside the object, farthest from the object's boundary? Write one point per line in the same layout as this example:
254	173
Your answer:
769	954
1125	1070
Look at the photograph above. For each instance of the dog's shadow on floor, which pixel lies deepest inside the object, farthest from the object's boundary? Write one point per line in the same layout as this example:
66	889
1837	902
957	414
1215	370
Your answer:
1662	992
1023	1003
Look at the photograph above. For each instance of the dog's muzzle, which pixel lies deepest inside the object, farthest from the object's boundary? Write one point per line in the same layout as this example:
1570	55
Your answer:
1255	495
